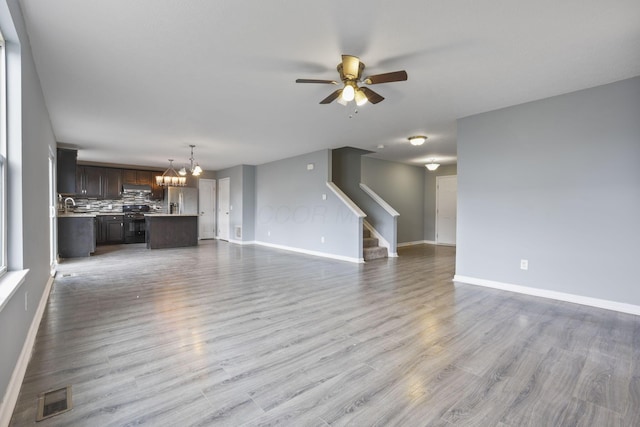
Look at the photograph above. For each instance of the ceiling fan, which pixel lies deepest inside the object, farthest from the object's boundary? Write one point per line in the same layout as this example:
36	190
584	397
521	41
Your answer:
350	70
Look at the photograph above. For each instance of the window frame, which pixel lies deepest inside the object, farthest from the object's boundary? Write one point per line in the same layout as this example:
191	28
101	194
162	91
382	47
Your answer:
3	158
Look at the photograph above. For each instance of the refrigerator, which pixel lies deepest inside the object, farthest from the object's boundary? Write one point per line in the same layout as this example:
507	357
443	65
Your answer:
181	200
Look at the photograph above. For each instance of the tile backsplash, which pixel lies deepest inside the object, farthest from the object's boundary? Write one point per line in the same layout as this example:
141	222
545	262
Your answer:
85	205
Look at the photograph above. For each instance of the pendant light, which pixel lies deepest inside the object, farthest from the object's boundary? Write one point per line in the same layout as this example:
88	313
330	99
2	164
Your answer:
195	168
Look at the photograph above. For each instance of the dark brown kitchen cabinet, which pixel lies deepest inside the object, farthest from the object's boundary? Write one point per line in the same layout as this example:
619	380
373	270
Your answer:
66	170
89	181
157	191
110	229
112	183
139	177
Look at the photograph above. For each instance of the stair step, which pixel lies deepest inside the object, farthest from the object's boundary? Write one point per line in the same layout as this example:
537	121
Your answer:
366	233
369	242
374	253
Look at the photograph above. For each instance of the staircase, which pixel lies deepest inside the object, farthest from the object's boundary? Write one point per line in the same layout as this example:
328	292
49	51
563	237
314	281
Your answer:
370	248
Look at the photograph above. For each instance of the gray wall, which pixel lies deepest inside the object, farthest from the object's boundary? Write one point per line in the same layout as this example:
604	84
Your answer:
429	209
291	211
557	182
30	138
403	187
347	175
248	202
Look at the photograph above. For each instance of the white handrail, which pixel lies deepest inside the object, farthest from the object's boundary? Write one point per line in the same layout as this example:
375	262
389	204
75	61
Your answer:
346	200
379	200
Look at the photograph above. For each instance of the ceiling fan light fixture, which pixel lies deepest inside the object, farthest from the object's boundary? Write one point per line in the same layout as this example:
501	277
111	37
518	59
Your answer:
432	165
348	93
361	98
417	140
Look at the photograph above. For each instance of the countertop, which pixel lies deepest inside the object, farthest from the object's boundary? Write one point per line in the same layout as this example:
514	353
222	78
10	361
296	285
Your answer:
167	215
76	215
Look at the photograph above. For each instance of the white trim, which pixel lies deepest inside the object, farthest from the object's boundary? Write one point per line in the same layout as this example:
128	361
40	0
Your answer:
379	200
417	242
545	293
346	200
13	389
241	242
308	252
9	284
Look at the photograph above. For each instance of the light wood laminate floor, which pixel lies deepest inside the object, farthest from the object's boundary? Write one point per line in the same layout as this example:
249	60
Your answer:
223	334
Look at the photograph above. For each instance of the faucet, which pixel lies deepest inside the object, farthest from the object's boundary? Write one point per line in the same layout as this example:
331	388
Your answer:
66	207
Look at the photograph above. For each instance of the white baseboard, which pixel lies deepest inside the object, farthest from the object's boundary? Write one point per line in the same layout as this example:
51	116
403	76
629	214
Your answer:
544	293
242	242
308	252
13	389
417	242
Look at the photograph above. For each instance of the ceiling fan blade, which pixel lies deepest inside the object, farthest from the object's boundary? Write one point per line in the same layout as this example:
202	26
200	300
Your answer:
316	81
372	96
329	99
350	66
394	76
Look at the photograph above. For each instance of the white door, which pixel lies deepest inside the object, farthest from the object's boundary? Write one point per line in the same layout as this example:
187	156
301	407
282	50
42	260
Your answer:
207	208
446	209
223	208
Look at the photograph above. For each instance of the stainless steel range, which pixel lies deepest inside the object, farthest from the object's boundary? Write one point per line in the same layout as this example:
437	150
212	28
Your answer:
134	224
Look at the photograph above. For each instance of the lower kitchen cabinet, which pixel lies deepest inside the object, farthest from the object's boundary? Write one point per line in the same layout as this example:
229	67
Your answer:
110	229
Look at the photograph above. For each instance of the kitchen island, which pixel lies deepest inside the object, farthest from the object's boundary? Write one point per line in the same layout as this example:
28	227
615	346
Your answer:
171	230
76	235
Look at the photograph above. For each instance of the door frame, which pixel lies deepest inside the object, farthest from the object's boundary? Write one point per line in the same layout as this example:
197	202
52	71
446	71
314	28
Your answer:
213	200
227	182
438	179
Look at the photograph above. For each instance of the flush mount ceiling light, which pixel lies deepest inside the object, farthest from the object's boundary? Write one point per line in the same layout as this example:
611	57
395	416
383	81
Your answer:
170	177
417	139
432	165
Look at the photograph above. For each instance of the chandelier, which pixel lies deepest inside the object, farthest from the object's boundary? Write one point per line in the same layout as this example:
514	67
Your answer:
170	178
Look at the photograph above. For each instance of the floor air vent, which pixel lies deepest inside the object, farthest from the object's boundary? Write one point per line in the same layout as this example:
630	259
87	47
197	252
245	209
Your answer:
53	402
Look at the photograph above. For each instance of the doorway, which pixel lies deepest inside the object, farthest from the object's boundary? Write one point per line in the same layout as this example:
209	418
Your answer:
223	208
207	204
446	209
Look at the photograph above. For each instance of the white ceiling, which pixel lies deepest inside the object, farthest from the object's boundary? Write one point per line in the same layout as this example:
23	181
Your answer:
136	82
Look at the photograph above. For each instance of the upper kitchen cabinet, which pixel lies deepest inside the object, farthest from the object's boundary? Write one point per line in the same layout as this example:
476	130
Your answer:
66	170
98	182
139	177
89	181
112	183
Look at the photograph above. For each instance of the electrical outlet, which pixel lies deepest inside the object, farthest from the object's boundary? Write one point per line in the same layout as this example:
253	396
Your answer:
269	233
322	239
524	264
324	196
26	301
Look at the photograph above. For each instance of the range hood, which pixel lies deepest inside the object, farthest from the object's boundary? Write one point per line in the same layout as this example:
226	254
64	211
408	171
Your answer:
135	188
